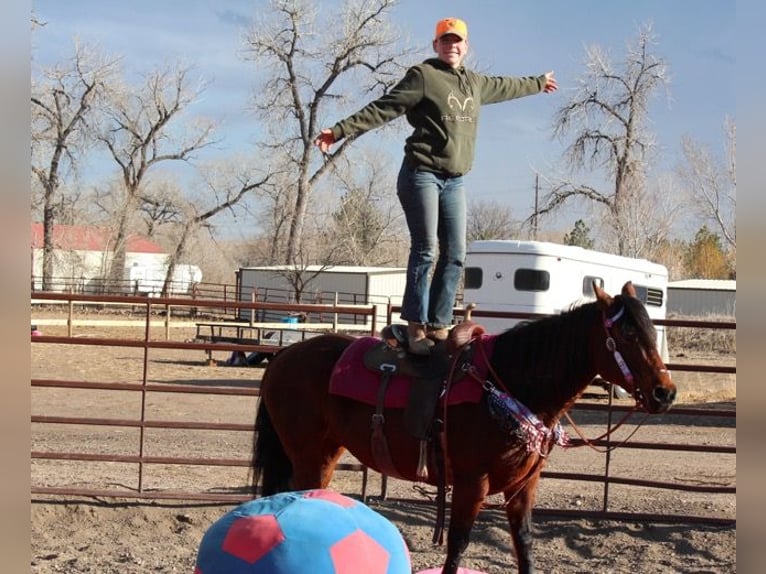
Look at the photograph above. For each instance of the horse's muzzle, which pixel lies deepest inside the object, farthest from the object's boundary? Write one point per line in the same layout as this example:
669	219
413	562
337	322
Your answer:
663	397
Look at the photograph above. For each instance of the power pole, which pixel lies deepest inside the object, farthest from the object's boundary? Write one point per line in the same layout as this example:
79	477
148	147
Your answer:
534	215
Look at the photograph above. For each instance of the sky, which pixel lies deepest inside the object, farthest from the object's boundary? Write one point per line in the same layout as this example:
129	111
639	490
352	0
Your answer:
696	38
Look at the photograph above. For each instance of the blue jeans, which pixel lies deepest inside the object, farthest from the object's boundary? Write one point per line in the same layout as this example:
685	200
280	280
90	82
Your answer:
434	207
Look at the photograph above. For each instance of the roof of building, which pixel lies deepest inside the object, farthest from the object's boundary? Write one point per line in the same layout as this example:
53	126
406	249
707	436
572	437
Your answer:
365	270
85	238
541	249
706	284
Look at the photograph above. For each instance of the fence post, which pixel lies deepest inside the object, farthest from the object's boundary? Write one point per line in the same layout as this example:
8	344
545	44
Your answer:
144	380
335	314
69	318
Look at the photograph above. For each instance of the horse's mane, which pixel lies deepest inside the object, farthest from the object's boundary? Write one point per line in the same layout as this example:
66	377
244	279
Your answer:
537	360
636	314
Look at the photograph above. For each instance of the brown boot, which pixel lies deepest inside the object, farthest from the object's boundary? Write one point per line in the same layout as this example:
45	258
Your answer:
437	333
417	341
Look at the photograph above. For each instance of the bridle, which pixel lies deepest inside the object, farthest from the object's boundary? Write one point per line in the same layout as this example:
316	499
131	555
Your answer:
611	346
638	395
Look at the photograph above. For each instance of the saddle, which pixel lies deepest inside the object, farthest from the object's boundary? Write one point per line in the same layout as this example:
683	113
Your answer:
429	375
428	372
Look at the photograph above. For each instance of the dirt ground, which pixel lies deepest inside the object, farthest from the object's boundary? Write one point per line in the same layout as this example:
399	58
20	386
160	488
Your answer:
107	536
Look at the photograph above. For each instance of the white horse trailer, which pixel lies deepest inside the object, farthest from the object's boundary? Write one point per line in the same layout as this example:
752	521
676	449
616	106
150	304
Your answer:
549	278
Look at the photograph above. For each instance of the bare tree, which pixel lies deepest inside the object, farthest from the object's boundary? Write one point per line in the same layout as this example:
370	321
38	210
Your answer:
300	276
275	212
161	206
490	220
367	227
607	115
222	194
646	221
64	100
712	182
139	136
309	55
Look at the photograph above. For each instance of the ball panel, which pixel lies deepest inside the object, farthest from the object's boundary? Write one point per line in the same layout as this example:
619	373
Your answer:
359	553
252	537
385	534
331	496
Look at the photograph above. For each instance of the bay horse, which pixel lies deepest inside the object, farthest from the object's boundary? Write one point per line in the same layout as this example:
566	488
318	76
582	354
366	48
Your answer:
546	365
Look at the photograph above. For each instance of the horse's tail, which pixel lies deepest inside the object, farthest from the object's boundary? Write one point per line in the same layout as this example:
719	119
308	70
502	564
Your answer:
270	464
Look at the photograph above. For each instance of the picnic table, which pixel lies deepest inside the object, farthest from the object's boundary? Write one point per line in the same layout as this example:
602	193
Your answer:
273	334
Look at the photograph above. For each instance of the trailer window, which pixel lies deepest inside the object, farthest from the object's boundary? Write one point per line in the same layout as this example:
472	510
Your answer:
473	278
587	285
531	280
648	295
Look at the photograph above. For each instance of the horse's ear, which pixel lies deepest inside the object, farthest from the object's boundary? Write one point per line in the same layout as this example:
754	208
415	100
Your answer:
602	296
628	290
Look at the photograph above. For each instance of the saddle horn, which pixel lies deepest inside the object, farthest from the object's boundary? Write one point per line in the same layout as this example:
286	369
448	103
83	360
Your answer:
468	310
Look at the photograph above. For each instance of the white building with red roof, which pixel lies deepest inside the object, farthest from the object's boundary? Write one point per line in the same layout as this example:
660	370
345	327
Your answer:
82	256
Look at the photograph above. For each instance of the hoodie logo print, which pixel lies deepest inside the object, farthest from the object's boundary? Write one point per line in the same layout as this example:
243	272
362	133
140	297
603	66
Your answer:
461	109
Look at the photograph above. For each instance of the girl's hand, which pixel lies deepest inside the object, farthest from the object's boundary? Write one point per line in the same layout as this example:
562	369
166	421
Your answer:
324	140
551	85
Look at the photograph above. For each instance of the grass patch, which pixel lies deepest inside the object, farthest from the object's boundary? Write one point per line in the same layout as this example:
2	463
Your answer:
707	340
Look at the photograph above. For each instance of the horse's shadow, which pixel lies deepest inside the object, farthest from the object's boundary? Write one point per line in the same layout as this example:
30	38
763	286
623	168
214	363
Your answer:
411	513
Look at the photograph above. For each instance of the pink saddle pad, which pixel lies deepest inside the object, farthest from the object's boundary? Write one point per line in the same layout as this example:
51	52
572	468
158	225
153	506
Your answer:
352	379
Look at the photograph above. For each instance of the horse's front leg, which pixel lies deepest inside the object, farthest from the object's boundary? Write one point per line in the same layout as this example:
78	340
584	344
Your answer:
518	509
468	495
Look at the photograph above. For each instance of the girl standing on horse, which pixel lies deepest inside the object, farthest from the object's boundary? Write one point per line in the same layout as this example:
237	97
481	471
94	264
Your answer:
441	99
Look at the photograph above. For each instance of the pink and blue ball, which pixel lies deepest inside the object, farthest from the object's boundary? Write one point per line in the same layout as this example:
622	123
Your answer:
317	531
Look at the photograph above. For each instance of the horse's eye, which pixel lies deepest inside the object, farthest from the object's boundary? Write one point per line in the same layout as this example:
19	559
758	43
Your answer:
630	332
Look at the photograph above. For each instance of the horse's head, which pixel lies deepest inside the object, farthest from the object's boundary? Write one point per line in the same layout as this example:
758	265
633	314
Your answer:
632	359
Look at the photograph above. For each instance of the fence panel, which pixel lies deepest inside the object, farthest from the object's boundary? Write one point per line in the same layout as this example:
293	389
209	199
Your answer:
146	437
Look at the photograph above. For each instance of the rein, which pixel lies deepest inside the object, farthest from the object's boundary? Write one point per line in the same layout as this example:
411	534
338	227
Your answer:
589	442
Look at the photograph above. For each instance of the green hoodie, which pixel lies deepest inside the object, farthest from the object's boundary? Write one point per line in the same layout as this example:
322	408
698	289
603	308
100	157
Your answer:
442	105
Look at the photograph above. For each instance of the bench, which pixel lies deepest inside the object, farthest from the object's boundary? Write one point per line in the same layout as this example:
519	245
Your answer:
275	335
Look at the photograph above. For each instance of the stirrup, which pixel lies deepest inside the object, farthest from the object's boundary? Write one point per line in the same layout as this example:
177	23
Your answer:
398	332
